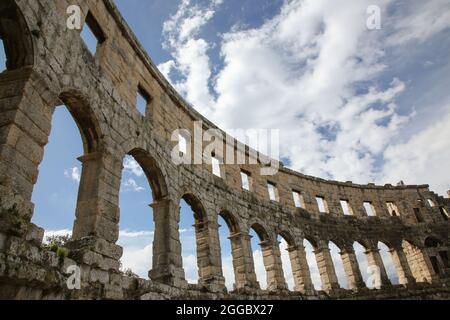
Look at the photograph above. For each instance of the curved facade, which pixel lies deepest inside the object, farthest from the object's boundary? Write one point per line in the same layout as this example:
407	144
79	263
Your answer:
49	65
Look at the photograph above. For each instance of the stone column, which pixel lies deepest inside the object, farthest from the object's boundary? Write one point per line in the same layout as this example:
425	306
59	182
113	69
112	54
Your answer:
167	259
272	262
351	267
208	256
97	212
96	226
243	265
374	259
26	109
326	267
405	275
300	269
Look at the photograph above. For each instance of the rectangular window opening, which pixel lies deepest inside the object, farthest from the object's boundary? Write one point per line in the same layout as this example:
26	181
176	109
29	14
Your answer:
299	201
216	167
322	204
431	203
345	204
92	34
182	144
273	191
392	209
370	210
245	178
143	100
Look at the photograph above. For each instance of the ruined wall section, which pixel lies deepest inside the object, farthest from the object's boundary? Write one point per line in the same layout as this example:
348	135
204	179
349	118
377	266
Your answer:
100	92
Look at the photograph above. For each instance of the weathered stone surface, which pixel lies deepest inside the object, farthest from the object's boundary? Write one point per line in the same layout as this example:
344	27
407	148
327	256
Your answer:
100	92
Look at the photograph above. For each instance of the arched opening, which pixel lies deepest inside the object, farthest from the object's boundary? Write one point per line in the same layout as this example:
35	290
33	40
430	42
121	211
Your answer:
312	264
229	248
386	256
16	38
56	189
141	185
361	257
417	262
338	264
194	238
258	236
286	242
60	192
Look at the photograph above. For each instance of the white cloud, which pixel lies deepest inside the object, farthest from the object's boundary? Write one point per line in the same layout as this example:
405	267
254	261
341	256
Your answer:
190	268
131	184
424	19
135	234
313	71
422	158
132	166
52	233
166	68
73	173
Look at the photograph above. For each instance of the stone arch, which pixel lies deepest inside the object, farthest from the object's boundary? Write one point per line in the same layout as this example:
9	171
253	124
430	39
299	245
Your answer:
336	252
310	244
207	244
266	248
419	263
198	209
88	124
387	256
288	237
16	36
261	231
97	165
153	172
290	262
237	256
231	221
149	170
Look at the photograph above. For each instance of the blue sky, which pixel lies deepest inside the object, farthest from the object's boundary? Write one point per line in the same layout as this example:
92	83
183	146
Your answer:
354	104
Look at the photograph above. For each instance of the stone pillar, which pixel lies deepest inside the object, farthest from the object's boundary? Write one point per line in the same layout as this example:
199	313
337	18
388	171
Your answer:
404	272
26	109
326	267
300	269
243	265
374	259
351	267
167	259
96	226
272	262
208	256
97	212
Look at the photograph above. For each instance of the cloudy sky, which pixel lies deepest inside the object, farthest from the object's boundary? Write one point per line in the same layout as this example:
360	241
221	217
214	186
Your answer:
351	103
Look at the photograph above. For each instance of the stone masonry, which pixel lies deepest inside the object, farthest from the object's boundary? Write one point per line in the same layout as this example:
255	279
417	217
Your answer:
48	65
